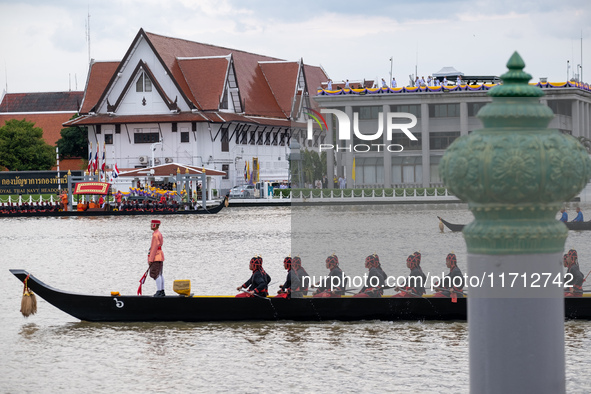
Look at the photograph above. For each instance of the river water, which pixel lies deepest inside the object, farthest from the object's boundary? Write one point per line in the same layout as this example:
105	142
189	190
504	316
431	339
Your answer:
53	352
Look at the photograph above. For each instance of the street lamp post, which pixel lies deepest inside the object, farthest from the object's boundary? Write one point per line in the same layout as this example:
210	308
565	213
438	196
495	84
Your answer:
295	156
57	157
515	174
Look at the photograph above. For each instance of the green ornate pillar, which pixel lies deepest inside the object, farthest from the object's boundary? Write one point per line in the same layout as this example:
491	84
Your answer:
515	173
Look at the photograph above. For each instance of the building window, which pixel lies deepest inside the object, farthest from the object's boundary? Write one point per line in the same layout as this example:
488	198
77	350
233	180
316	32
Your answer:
414	109
473	108
143	83
244	135
444	110
117	129
434	167
226	169
368	112
98	128
145	138
407	143
407	170
369	171
561	107
108	139
442	140
174	127
225	140
184	136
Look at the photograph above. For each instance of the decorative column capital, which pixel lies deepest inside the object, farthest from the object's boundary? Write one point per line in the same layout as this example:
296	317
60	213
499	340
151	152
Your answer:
515	173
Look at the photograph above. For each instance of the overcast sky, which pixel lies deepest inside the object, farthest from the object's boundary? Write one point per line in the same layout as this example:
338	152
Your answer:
43	44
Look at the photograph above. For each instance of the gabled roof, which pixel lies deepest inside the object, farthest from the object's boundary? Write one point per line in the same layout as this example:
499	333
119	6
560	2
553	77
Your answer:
98	78
170	169
254	90
315	76
41	102
205	78
282	79
199	70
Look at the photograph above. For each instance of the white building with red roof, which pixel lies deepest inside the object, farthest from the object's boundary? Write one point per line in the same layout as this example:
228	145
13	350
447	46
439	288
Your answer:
206	105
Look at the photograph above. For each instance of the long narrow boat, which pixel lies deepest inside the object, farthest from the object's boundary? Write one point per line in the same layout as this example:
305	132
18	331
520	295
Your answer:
200	211
577	226
226	308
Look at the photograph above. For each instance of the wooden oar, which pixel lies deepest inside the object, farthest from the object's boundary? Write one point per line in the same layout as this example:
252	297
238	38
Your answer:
255	295
450	290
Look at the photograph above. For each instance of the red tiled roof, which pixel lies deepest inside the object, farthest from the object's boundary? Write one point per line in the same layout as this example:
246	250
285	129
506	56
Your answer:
229	117
50	123
41	102
199	71
314	78
205	78
251	82
167	169
98	78
118	119
282	79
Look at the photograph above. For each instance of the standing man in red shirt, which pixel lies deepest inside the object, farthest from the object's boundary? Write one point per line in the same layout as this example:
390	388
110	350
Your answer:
156	258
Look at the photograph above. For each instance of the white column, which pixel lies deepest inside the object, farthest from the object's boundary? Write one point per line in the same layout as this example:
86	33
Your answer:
330	153
500	330
387	155
426	148
463	118
576	114
348	156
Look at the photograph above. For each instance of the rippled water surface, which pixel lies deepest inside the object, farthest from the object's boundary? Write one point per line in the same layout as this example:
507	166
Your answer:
53	352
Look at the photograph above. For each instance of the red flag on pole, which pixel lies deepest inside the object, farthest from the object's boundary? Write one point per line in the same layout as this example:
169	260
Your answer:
96	159
142	281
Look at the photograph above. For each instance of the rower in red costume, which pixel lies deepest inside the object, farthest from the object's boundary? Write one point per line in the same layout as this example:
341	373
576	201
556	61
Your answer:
415	283
571	262
375	279
258	283
156	258
285	288
335	284
453	282
300	280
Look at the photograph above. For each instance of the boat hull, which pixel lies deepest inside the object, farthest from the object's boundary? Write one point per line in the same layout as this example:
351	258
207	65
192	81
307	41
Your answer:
201	211
216	309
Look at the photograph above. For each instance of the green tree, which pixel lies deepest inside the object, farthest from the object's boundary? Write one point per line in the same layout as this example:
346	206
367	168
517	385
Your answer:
22	147
74	141
313	165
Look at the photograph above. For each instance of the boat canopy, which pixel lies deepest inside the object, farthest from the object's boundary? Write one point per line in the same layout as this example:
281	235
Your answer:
92	188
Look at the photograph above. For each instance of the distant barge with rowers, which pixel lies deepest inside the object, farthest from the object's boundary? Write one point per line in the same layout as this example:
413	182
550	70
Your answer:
577	226
132	308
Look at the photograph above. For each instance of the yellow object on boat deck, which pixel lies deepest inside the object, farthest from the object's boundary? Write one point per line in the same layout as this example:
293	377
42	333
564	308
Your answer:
182	287
115	294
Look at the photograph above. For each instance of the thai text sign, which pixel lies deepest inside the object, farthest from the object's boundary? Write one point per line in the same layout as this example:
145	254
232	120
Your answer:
32	182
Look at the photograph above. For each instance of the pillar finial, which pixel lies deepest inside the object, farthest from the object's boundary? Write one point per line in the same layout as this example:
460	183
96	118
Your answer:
515	173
